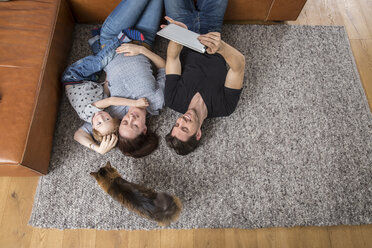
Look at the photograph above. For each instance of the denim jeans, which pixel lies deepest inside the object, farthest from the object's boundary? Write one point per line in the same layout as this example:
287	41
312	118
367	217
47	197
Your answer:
206	16
142	15
85	68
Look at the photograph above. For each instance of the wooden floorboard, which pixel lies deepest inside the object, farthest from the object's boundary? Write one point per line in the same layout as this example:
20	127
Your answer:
16	194
45	238
14	231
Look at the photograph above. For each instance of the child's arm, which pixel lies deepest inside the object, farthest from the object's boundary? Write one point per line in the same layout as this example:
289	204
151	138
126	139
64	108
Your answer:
120	101
106	89
85	139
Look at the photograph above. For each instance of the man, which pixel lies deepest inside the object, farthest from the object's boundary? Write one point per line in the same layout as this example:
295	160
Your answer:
199	85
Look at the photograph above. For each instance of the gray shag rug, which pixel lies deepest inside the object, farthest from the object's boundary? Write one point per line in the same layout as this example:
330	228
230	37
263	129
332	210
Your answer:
296	152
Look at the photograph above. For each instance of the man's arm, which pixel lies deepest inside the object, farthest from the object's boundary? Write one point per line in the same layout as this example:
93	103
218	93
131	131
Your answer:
173	63
236	60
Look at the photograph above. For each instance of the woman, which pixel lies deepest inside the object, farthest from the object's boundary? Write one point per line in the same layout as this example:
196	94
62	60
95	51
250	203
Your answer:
129	77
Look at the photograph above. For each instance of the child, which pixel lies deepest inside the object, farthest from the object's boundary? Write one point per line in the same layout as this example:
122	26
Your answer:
89	98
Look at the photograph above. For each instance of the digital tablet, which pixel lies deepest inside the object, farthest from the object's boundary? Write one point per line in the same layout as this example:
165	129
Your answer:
182	36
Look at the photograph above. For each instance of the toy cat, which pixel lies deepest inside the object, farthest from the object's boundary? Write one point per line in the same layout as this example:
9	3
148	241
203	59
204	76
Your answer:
160	207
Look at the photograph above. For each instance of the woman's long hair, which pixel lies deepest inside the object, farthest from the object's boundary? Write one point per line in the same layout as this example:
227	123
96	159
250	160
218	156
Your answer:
141	146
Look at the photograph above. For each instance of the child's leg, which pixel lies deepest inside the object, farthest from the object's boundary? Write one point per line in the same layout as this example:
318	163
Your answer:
125	15
183	11
85	68
149	22
211	15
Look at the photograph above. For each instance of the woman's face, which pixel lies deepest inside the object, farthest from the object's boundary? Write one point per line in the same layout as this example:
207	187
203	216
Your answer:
133	123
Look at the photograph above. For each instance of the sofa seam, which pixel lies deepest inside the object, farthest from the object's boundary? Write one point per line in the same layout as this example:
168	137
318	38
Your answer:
269	12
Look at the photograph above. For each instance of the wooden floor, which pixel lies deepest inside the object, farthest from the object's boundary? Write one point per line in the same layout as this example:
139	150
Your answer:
16	194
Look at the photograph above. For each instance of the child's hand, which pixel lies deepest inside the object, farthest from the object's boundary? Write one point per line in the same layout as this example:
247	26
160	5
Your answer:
141	103
108	142
129	49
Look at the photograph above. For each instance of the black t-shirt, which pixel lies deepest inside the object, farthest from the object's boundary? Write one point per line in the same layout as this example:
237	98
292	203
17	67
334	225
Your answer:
203	73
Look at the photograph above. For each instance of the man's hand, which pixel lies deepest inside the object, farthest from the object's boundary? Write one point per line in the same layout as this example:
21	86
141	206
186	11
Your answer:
141	103
212	41
108	142
170	20
129	49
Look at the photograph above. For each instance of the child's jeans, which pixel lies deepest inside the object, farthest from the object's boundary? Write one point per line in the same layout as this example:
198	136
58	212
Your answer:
85	68
142	15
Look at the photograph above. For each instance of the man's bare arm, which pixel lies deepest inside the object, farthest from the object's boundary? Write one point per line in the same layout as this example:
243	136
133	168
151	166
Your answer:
173	63
236	61
233	57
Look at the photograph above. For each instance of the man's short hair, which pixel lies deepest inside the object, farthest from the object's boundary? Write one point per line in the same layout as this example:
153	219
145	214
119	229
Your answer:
181	147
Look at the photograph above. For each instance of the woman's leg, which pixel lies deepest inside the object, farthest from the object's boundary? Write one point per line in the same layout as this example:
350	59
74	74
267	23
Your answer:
211	15
125	15
149	22
183	11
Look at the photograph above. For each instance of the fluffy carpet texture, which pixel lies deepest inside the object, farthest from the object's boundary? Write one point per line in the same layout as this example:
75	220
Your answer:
296	152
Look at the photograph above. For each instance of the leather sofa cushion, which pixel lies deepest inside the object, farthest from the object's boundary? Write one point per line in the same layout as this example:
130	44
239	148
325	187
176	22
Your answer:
96	11
35	39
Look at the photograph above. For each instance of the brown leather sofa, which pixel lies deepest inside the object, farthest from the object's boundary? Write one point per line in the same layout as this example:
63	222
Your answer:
35	39
96	11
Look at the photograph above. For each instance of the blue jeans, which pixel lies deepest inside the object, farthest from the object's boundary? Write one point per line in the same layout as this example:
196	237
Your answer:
142	15
206	16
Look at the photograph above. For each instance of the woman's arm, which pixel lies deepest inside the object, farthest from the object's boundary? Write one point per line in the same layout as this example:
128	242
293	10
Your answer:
85	139
132	50
120	101
158	61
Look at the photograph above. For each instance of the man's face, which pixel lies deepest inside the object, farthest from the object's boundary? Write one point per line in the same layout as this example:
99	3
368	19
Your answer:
186	126
103	122
133	123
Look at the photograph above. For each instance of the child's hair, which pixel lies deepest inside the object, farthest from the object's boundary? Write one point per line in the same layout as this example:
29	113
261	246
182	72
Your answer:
141	146
98	136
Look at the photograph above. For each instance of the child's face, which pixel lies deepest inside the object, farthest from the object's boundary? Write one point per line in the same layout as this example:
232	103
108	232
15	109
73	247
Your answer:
103	122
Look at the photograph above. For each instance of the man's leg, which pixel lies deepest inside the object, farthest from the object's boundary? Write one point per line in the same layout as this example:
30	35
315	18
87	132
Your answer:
149	22
183	11
211	15
125	15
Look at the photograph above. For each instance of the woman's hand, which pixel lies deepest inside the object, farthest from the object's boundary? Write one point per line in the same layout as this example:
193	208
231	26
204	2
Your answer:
108	142
171	21
129	49
141	103
212	41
